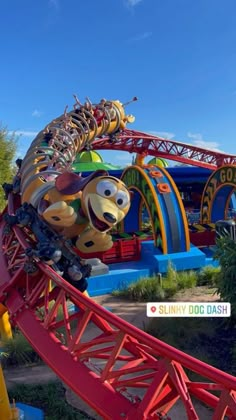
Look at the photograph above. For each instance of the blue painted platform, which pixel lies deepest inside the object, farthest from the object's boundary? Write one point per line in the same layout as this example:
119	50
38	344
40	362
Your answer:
122	274
193	259
209	252
29	413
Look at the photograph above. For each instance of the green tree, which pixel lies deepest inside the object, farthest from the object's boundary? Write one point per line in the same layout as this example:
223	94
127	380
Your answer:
8	147
226	282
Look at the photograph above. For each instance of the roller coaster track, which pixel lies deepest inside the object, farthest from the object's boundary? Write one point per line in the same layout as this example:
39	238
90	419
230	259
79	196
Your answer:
119	370
102	358
146	144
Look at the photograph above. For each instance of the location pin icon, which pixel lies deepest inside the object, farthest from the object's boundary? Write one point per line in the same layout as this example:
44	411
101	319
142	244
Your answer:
153	309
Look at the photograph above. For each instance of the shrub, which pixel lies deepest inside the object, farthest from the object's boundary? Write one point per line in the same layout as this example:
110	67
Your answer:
150	289
171	274
146	289
18	352
48	397
226	280
208	276
179	279
169	287
199	337
184	333
186	279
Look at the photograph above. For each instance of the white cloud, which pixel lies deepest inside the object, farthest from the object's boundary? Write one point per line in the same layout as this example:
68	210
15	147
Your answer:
197	140
211	145
165	134
140	37
24	133
195	136
36	113
132	3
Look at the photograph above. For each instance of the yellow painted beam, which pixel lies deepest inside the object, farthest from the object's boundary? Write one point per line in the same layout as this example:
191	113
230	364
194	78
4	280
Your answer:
5	326
5	408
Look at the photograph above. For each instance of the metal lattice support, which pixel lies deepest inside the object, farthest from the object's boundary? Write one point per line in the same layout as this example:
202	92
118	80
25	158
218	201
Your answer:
145	144
101	357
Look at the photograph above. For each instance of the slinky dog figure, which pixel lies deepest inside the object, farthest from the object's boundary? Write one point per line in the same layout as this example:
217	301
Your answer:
86	208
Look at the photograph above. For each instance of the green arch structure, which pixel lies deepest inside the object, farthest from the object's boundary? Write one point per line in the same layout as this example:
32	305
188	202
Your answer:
165	208
217	194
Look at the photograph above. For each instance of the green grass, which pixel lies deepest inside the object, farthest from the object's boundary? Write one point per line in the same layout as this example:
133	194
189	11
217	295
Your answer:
152	288
208	339
186	279
208	276
158	289
18	352
144	290
48	397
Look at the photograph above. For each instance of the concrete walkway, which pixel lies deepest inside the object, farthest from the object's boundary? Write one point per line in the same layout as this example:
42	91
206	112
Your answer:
132	312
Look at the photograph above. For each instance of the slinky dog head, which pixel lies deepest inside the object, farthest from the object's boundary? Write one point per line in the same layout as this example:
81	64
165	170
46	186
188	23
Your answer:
105	199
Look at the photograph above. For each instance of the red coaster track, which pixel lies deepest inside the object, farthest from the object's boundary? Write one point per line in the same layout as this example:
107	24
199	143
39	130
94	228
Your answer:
101	357
146	144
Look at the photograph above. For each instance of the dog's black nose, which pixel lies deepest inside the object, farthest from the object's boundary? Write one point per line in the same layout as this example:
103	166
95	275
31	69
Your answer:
109	217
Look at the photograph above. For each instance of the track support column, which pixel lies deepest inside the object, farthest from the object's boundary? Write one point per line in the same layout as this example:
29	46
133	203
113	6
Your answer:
5	326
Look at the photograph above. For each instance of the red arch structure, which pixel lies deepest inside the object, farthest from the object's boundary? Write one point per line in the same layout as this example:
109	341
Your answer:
102	358
146	144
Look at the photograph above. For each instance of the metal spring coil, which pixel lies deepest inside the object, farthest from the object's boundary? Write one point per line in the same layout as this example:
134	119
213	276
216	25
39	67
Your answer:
54	149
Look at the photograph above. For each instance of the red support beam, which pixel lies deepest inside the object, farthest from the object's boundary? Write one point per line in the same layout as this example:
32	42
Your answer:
146	144
102	358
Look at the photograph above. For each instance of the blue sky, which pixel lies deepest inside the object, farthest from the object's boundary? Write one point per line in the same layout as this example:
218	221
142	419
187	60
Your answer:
177	56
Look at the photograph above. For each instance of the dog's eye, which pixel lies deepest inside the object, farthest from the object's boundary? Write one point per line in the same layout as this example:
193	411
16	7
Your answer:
122	199
106	189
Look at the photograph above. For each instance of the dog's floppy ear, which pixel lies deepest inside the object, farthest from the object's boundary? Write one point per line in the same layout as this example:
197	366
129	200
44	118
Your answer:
69	183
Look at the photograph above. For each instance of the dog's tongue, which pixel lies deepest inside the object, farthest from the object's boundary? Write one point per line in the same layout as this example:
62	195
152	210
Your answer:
97	223
100	225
